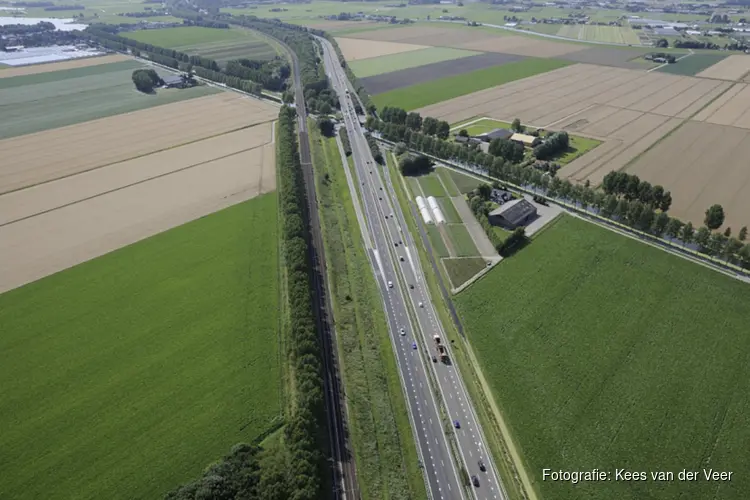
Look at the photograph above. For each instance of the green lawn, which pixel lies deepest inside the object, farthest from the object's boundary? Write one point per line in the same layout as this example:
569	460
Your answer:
436	240
44	101
394	62
449	210
692	65
431	185
460	270
578	147
464	183
379	427
463	244
442	89
450	186
609	353
171	38
124	376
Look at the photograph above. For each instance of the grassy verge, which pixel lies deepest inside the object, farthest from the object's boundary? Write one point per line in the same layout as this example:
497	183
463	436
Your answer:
460	355
136	369
621	378
443	89
385	453
461	269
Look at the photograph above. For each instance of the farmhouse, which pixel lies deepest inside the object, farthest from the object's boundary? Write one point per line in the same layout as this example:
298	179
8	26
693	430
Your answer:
174	81
513	214
527	140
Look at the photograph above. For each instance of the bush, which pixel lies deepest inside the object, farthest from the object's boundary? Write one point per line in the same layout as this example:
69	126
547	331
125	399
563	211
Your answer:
146	79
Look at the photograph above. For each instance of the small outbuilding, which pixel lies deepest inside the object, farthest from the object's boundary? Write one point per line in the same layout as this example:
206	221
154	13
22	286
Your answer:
174	81
513	214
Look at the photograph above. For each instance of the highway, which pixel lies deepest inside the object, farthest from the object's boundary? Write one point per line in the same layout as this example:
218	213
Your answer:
441	475
396	261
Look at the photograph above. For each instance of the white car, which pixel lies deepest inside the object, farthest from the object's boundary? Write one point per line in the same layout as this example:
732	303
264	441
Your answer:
403	332
390	284
421	305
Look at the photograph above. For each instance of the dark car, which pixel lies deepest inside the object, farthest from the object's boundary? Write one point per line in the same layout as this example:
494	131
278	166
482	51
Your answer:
411	287
475	481
413	345
434	359
481	466
456	424
395	244
401	258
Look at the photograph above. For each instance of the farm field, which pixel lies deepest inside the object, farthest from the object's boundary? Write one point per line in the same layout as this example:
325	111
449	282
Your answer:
461	239
607	34
62	207
703	164
734	67
219	45
100	11
638	390
430	185
463	183
42	101
405	60
448	88
693	65
9	71
627	110
355	49
135	377
460	270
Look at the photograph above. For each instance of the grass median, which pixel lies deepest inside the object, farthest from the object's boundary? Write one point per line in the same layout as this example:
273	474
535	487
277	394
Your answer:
381	436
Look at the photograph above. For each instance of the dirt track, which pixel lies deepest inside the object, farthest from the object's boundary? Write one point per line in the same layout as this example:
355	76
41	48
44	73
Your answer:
58	66
77	218
629	110
355	49
48	155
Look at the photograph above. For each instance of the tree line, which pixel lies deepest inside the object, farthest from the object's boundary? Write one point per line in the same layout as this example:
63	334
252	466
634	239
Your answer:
632	188
42	34
240	475
65	7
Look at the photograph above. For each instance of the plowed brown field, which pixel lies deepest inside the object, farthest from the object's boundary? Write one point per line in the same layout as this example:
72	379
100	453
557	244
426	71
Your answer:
702	164
59	66
354	49
629	110
148	173
49	155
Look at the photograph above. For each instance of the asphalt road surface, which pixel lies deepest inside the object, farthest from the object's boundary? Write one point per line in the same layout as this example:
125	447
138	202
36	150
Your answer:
396	263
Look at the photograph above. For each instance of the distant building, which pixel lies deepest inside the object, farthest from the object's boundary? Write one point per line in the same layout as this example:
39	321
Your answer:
174	81
498	133
527	140
513	214
14	48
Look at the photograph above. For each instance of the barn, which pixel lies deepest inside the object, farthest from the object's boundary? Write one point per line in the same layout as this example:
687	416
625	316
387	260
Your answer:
513	214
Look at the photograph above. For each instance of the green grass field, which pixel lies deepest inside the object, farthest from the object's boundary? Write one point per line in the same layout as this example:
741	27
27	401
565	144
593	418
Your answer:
436	240
692	65
463	245
445	176
640	361
218	44
125	376
464	183
449	210
431	185
379	425
394	62
460	270
44	101
442	89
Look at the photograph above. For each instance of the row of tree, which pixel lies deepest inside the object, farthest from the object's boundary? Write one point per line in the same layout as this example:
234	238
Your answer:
631	187
272	75
305	428
42	34
552	146
65	7
413	121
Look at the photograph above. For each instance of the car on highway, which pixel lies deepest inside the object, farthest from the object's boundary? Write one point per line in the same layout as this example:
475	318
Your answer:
475	481
456	424
403	332
413	345
411	287
395	244
421	304
401	258
481	466
390	284
434	359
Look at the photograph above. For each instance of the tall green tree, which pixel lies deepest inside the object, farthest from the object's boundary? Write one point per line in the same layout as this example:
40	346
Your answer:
673	227
743	233
714	217
660	224
687	234
702	236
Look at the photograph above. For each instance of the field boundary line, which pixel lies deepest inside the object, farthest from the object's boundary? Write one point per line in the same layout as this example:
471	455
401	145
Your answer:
142	181
668	134
138	156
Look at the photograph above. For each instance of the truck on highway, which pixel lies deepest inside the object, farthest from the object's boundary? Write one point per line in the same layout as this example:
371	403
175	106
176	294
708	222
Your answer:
442	352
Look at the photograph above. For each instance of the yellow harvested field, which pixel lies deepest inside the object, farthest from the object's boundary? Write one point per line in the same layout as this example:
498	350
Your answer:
59	66
627	109
468	39
54	154
730	68
355	49
702	164
729	109
52	226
